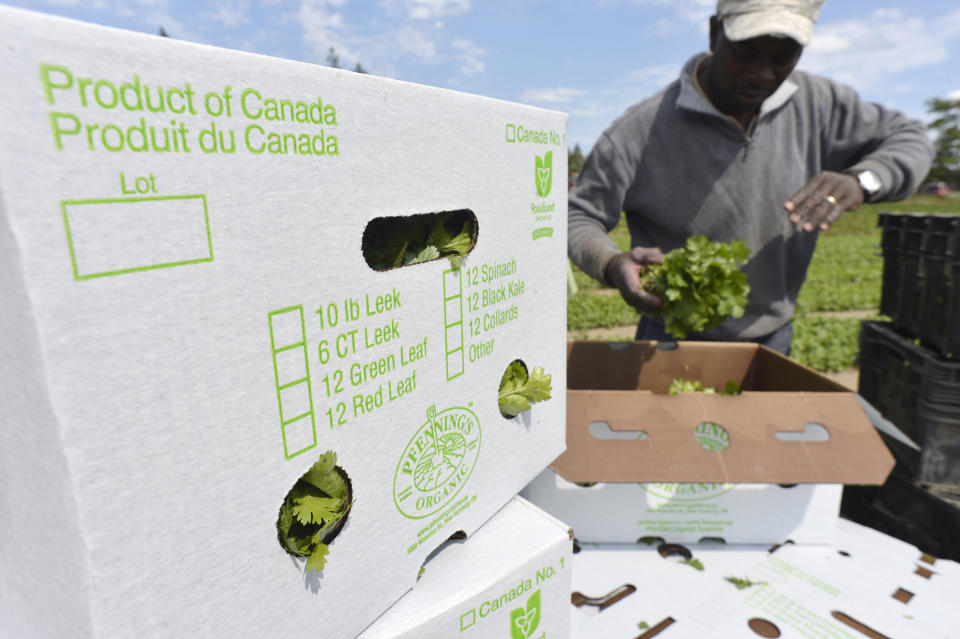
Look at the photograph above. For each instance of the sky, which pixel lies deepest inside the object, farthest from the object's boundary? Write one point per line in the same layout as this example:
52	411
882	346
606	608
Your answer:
589	58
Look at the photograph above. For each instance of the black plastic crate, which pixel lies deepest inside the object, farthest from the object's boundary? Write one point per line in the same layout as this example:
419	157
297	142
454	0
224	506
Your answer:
939	323
937	464
908	512
921	277
920	393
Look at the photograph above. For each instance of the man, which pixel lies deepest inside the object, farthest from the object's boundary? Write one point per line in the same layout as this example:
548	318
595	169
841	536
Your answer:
740	147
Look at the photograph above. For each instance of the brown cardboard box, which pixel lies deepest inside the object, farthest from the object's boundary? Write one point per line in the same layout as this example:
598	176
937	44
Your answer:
763	466
625	386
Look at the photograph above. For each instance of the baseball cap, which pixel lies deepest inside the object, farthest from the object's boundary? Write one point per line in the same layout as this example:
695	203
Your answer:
744	19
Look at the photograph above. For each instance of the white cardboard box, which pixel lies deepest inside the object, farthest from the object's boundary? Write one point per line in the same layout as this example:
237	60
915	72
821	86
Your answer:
620	512
663	580
803	593
184	331
509	579
735	591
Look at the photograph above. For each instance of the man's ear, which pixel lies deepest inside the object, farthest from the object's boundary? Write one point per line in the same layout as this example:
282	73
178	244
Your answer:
716	29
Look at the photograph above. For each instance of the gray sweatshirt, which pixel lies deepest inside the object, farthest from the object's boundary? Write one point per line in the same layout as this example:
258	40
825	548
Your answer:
677	167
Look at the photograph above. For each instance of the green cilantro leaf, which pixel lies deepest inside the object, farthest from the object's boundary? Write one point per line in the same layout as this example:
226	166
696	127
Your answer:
312	508
318	557
681	385
448	244
323	475
731	388
425	254
693	563
390	242
700	284
743	584
519	390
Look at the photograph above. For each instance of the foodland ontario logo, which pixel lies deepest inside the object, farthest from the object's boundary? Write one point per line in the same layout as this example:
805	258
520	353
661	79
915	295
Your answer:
524	621
437	461
544	173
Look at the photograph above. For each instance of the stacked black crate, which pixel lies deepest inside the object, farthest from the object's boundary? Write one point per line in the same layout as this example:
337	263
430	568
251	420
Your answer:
910	366
910	371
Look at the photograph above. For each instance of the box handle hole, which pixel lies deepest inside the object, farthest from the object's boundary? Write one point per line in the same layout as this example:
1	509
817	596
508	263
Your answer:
813	432
862	628
521	387
456	538
398	241
314	511
602	430
763	628
603	602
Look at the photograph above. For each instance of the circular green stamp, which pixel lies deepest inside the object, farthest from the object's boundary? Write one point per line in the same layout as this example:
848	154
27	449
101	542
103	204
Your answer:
712	436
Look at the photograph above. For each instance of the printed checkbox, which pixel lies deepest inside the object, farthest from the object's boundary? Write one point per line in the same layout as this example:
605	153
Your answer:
299	435
451	283
467	619
455	363
454	336
291	365
286	327
451	311
294	401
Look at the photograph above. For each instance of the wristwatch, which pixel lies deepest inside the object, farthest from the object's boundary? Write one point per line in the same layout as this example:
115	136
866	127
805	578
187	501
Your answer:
869	183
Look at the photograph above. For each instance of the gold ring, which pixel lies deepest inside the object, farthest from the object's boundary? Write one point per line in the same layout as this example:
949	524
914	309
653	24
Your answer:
832	200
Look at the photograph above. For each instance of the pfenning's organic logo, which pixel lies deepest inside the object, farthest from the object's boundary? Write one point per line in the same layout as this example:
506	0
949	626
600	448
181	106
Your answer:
437	461
544	173
524	621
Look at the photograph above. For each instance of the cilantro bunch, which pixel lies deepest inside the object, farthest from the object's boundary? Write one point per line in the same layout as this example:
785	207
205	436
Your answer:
681	385
519	389
313	511
390	242
700	284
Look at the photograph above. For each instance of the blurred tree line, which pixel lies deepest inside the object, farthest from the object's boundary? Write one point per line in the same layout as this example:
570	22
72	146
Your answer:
574	159
946	127
333	60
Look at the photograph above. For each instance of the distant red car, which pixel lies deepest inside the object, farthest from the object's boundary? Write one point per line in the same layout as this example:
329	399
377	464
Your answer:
940	189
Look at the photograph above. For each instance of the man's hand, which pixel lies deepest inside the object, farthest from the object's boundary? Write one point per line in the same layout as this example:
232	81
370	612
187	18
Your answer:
823	199
623	271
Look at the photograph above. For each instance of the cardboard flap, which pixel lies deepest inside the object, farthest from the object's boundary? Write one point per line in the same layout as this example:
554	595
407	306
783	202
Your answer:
657	438
653	366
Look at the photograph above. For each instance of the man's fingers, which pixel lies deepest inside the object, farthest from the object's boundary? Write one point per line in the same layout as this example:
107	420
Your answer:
829	215
843	202
800	196
814	206
646	255
641	299
822	200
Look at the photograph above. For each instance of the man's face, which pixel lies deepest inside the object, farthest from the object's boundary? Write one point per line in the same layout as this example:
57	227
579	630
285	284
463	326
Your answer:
745	73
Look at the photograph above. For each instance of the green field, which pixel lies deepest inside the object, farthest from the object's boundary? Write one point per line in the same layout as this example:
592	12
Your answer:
842	287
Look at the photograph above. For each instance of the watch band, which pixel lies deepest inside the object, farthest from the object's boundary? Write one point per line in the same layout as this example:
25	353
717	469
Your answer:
869	183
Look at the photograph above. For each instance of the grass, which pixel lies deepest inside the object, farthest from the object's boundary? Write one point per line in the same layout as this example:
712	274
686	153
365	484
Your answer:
844	275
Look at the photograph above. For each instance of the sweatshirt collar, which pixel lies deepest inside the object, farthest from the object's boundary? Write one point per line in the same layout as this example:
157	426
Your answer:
693	99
